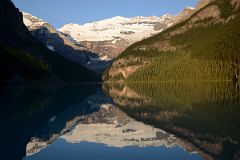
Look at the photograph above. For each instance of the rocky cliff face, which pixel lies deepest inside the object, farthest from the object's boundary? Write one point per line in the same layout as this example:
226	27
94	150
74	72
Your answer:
14	36
24	60
184	14
141	57
202	3
106	49
236	4
110	37
11	17
12	27
58	42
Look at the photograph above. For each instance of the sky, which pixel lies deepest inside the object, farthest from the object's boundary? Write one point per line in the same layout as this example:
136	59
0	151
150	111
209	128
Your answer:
61	12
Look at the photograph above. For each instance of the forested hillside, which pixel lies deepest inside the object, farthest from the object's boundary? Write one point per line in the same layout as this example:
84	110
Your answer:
206	46
25	60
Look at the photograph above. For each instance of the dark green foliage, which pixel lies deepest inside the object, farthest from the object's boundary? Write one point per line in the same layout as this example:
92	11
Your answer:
208	51
25	60
28	58
69	71
28	66
211	53
15	62
204	113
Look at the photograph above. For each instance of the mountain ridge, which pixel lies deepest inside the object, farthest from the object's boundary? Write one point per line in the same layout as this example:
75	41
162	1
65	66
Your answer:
26	61
58	42
108	37
196	48
111	36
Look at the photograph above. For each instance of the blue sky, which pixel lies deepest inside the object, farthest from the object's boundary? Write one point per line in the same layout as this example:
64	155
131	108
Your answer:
60	12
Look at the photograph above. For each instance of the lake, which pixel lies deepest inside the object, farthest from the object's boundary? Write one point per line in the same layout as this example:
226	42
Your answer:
143	121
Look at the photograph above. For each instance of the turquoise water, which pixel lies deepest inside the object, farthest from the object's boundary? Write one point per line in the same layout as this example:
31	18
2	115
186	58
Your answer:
92	151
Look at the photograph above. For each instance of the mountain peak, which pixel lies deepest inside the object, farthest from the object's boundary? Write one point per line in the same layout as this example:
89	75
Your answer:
202	3
118	26
190	8
31	21
30	16
118	18
185	13
70	25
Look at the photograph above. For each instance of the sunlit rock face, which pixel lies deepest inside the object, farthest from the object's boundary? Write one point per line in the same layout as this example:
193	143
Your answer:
62	43
54	40
109	37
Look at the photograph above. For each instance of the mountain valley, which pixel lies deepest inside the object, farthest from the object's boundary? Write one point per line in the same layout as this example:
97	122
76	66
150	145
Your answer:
125	87
203	47
96	44
109	37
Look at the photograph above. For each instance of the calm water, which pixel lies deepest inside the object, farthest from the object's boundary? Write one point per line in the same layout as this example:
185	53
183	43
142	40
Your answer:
121	122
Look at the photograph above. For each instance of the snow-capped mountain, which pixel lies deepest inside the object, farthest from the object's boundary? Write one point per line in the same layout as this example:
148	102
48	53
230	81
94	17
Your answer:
107	38
32	22
62	44
131	29
111	36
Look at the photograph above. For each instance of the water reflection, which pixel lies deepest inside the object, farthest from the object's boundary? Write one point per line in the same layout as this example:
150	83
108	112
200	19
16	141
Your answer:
30	112
134	121
93	151
111	134
205	114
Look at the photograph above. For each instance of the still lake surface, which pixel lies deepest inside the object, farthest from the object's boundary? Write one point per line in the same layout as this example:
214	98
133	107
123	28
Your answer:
143	121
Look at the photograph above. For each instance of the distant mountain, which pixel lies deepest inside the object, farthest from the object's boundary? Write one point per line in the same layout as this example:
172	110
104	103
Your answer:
202	46
111	36
107	38
62	44
24	60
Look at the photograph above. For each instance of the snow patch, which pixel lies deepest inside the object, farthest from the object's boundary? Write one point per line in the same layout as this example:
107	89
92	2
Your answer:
50	48
191	8
106	30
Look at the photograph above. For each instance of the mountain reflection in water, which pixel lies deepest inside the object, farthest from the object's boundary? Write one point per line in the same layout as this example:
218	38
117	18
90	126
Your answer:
205	114
113	128
28	112
134	121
